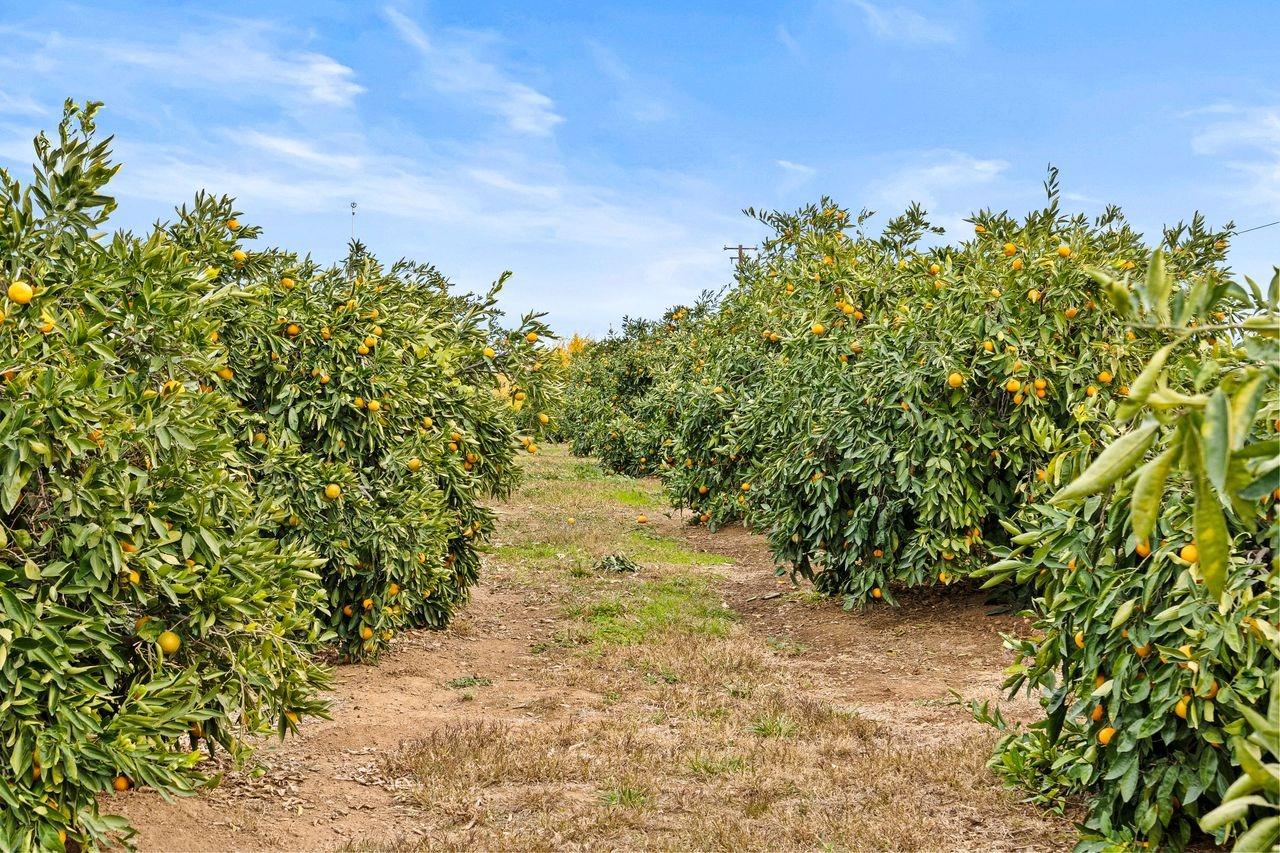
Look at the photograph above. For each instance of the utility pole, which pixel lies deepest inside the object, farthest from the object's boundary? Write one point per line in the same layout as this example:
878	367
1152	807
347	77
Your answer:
742	252
353	220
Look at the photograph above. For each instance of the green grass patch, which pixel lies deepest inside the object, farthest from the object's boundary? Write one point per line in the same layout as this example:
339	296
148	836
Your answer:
634	497
771	724
652	548
716	765
465	681
684	604
624	797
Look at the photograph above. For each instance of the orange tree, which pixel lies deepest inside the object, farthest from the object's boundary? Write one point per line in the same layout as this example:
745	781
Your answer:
1156	573
144	605
876	408
612	409
380	409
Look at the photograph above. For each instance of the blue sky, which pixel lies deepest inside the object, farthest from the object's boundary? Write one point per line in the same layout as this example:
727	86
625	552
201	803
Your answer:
603	151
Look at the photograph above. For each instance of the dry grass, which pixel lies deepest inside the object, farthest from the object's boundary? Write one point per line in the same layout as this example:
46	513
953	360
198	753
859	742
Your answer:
703	735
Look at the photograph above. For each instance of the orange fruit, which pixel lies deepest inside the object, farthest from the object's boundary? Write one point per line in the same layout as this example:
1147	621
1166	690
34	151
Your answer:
875	593
1190	552
232	225
1142	651
333	491
168	642
286	283
1090	391
1064	251
817	328
1105	736
1180	709
934	269
374	405
955	380
366	633
225	374
489	353
1079	639
532	337
1013	386
746	487
239	256
1033	295
1071	312
1143	549
1105	377
1010	249
21	292
642	519
1097	713
414	464
347	611
877	553
989	346
121	783
292	330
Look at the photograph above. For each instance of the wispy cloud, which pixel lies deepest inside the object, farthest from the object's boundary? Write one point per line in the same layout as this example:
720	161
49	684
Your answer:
635	99
898	23
21	105
1248	140
794	175
455	68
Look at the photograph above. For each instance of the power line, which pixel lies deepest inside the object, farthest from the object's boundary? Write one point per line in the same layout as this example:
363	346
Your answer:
1259	227
742	251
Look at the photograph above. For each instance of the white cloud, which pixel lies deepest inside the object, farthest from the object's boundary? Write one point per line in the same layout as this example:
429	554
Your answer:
795	175
240	60
456	69
898	23
19	105
934	176
634	99
1248	140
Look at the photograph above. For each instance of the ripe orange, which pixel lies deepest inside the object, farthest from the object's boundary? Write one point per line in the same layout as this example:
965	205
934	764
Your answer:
989	346
702	490
1190	552
21	292
1033	295
1097	713
362	349
1105	377
817	328
746	487
877	553
333	491
121	783
366	633
414	464
1180	708
1013	386
955	380
292	330
1016	264
225	374
239	256
544	418
1079	639
1010	250
1143	549
286	283
168	642
1071	312
427	423
1142	651
532	337
374	405
489	353
1090	391
394	589
1105	736
1064	251
642	519
875	593
347	611
232	225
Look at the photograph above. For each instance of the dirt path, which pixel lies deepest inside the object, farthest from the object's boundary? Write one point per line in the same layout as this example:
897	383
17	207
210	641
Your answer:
694	703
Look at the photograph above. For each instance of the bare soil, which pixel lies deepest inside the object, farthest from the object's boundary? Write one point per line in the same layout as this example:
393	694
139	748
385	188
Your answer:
780	721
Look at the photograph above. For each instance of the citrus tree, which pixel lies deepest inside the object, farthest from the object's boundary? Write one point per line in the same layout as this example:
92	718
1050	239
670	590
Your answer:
145	607
1156	574
875	407
379	410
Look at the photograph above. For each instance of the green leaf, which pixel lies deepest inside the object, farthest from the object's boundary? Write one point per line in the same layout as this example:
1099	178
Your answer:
1215	439
1112	463
1261	836
1144	507
1158	286
1212	539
